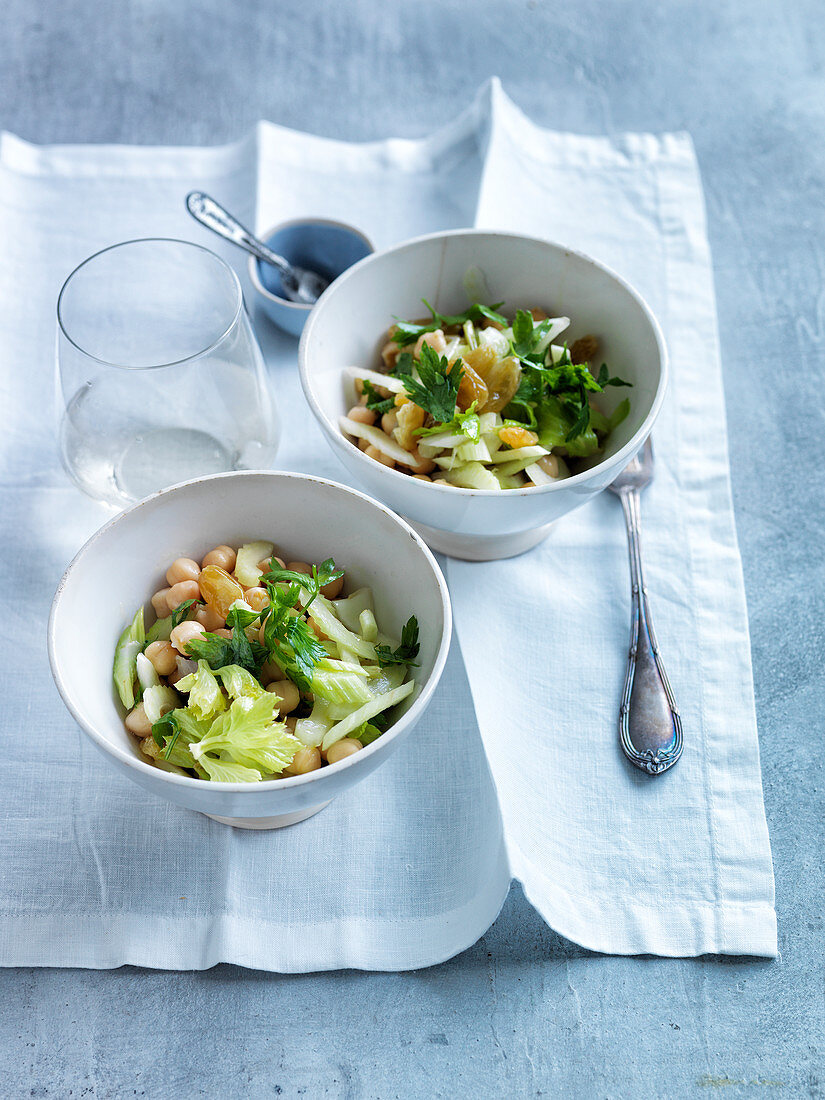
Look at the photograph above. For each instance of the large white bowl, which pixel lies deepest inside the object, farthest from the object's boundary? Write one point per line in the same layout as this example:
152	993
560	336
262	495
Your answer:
346	329
309	519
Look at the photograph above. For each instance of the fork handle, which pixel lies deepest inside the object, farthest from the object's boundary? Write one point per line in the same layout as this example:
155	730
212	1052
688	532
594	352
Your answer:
650	728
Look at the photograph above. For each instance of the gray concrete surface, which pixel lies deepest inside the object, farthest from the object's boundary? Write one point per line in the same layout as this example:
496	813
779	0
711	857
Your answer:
523	1013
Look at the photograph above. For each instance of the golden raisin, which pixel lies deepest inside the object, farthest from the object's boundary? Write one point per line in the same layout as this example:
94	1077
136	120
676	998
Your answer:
514	436
410	419
219	589
584	349
471	388
538	315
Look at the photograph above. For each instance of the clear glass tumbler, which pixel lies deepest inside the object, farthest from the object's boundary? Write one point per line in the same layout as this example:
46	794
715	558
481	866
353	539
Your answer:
160	376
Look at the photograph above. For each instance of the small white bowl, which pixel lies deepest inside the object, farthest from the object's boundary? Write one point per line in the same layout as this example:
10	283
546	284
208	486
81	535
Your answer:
310	519
346	329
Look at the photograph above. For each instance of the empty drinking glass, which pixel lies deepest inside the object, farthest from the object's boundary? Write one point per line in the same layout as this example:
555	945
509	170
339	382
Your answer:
161	378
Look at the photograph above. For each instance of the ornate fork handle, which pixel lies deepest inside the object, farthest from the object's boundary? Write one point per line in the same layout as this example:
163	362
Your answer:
650	727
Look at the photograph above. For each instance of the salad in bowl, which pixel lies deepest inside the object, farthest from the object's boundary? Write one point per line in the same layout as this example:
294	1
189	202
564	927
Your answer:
500	418
478	401
217	673
257	668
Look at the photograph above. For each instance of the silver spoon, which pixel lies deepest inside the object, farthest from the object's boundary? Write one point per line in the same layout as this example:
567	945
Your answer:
300	285
650	728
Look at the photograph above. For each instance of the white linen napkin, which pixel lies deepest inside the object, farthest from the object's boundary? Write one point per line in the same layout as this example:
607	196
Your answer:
412	865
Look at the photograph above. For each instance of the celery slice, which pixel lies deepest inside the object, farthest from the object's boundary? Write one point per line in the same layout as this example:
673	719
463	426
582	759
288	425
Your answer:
533	452
159	700
124	670
472	476
322	612
367	711
246	563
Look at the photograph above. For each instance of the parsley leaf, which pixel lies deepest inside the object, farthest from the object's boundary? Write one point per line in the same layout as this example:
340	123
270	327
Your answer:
403	364
287	637
604	378
181	612
237	650
166	726
523	333
321	576
407	332
437	391
406	653
375	401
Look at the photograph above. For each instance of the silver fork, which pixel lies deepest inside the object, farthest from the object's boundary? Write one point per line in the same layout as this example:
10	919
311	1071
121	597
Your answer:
650	728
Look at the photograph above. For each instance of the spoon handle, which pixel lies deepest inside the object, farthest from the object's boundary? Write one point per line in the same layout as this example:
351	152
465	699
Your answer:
211	214
650	727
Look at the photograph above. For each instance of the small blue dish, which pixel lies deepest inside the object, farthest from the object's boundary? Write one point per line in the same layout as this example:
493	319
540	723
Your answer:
324	246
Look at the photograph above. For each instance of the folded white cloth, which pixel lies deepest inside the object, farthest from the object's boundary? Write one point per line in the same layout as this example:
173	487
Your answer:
413	864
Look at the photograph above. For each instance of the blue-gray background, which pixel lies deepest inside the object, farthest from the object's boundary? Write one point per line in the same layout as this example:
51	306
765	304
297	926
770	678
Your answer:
523	1013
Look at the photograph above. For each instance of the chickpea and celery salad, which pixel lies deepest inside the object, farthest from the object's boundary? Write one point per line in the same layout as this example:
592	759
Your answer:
480	402
256	668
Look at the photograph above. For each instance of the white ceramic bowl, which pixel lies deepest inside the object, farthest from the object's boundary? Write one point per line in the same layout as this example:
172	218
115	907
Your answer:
310	519
346	328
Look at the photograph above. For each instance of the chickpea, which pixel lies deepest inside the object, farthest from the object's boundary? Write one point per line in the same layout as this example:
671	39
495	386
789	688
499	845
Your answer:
423	465
288	694
184	633
300	567
223	632
257	598
160	603
389	422
422	477
333	589
390	353
182	569
223	556
182	591
342	749
550	465
163	657
361	414
266	565
359	386
137	722
271	673
209	618
435	340
304	760
379	456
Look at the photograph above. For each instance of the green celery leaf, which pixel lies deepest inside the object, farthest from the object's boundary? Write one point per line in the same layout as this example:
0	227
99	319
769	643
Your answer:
466	422
250	735
206	699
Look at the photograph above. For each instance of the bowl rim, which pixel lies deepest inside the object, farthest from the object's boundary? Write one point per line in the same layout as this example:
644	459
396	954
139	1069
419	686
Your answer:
188	782
301	307
619	459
